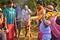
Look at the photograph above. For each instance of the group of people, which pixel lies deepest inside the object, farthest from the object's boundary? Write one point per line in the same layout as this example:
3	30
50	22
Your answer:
11	16
11	20
47	21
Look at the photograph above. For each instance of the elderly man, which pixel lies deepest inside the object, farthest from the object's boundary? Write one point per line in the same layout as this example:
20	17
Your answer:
44	28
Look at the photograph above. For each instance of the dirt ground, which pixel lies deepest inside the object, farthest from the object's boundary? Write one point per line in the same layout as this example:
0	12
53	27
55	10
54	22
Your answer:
34	33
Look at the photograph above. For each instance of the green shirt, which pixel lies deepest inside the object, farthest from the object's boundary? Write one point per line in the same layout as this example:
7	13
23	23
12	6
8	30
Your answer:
10	14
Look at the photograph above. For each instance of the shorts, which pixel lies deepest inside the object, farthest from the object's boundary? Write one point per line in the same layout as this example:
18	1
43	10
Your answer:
19	25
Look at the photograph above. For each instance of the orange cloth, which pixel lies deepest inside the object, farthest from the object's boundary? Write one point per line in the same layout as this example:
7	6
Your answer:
37	17
38	12
50	14
1	21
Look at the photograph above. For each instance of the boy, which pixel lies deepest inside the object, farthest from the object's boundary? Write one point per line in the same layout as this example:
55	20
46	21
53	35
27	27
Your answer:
18	18
10	15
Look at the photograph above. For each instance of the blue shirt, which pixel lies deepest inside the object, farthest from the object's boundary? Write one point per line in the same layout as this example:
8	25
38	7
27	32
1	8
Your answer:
25	14
55	9
43	29
18	12
10	14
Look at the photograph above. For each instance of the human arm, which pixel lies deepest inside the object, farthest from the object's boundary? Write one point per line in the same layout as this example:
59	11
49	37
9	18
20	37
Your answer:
46	21
15	21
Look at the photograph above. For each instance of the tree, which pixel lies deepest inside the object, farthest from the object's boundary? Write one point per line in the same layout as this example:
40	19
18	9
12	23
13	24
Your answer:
2	1
32	4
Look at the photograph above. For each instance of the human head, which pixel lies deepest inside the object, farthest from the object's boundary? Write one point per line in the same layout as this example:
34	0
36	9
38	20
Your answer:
14	4
54	4
26	6
10	4
4	5
49	8
58	20
39	4
47	22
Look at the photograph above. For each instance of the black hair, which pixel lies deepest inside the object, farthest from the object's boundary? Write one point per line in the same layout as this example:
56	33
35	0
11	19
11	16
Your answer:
58	20
4	3
54	3
39	2
9	2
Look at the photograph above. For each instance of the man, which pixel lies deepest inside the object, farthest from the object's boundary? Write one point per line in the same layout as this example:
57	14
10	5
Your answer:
39	10
54	4
4	5
10	18
44	28
25	17
18	18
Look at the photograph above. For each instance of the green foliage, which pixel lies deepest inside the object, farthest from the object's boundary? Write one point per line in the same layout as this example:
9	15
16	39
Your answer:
2	1
32	4
48	2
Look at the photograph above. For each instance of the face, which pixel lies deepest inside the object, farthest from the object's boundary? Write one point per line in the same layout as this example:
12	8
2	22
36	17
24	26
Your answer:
10	5
26	6
38	6
53	4
4	6
47	22
14	4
